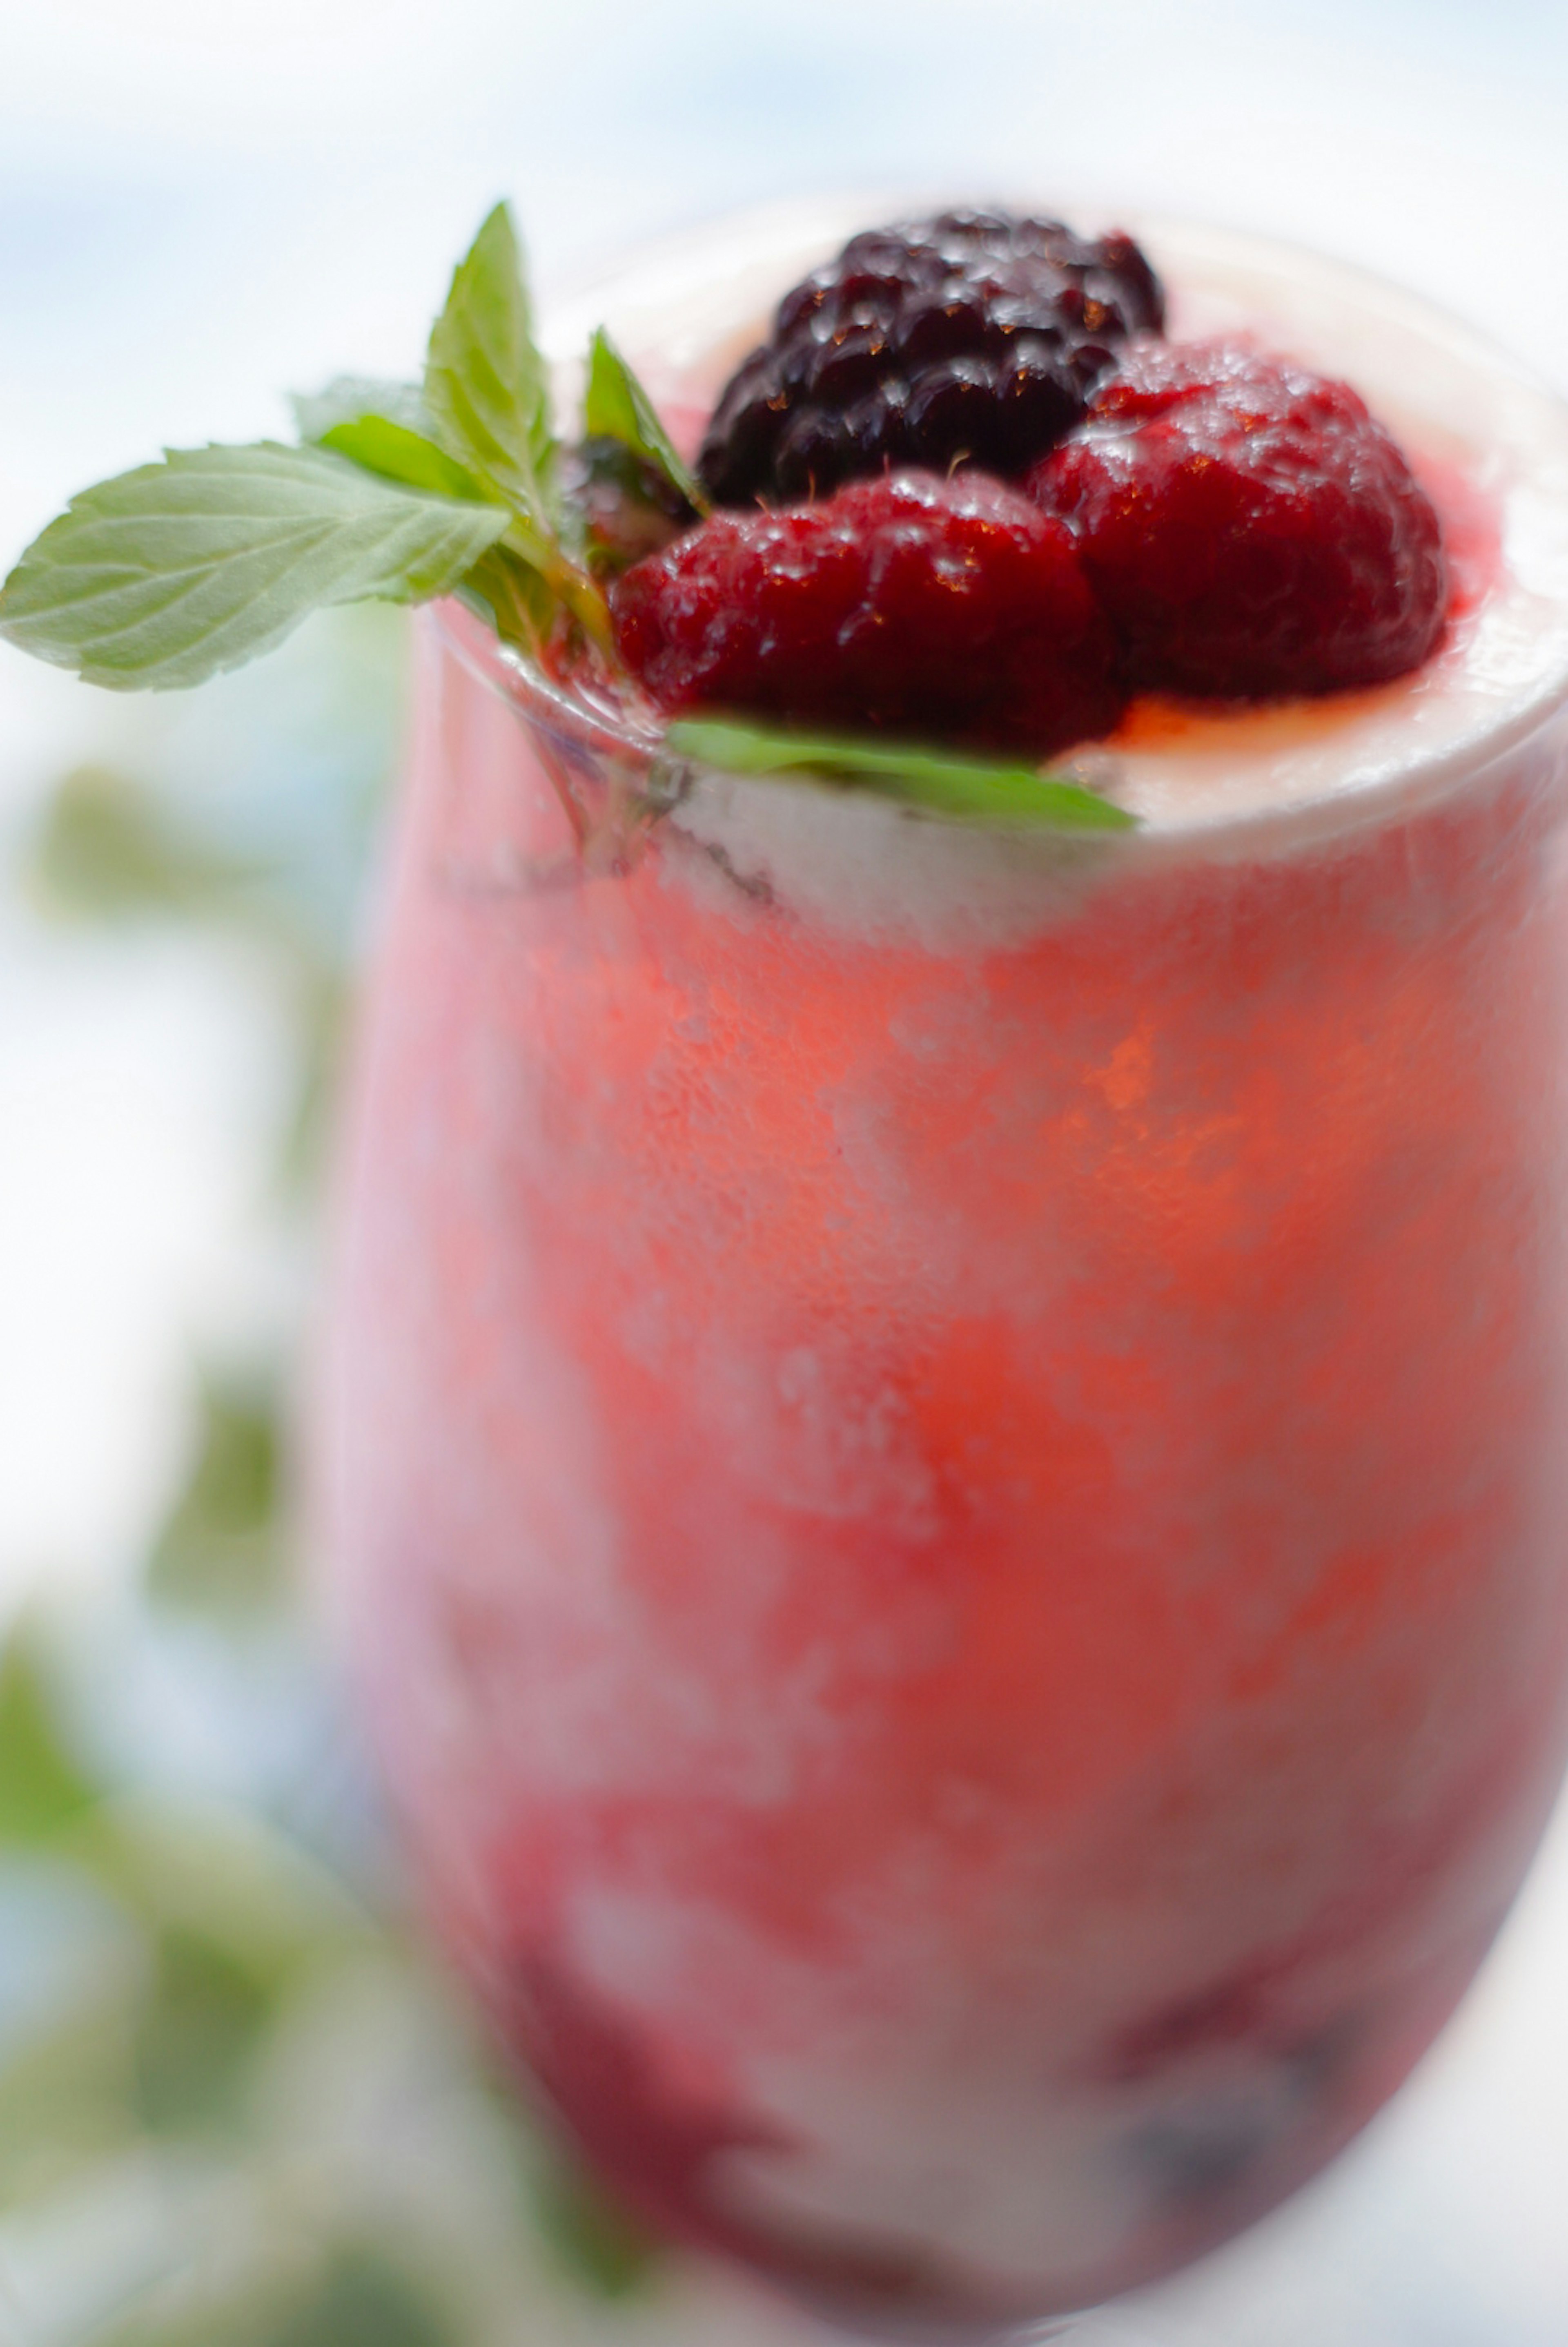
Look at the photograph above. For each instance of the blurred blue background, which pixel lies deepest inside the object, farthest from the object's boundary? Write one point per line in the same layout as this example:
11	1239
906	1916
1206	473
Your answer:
235	2111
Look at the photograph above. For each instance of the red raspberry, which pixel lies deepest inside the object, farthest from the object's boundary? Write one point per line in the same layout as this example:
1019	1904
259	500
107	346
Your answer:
1250	527
953	608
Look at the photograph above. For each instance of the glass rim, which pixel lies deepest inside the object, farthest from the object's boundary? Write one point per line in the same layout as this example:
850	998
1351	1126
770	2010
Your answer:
578	722
672	291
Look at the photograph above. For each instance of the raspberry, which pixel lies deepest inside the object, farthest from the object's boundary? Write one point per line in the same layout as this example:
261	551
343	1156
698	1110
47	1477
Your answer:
1250	527
953	608
973	336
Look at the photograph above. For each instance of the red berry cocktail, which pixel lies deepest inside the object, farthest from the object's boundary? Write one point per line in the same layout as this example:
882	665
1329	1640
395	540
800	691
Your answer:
950	1444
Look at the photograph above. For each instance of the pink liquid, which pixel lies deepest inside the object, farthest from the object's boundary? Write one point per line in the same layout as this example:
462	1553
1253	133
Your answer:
958	1546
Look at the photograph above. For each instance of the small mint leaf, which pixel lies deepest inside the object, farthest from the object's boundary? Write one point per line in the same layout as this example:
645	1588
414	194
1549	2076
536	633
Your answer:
171	573
514	597
487	385
348	397
487	390
397	453
616	408
985	790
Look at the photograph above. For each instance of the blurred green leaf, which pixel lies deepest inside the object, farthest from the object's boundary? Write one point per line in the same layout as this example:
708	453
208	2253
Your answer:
221	1550
65	2096
225	1876
205	2018
360	2300
43	1789
601	2247
107	850
323	1005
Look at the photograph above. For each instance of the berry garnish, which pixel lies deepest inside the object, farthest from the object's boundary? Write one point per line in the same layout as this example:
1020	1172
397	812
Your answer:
1248	526
1213	521
953	608
975	336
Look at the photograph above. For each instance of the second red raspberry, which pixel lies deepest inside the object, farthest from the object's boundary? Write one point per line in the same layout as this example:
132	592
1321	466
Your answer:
1251	529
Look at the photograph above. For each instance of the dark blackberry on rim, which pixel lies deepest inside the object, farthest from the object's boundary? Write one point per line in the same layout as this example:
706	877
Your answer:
972	337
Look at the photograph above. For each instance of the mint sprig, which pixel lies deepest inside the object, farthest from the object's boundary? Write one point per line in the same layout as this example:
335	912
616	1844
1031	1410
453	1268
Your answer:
166	575
616	408
985	790
488	391
171	573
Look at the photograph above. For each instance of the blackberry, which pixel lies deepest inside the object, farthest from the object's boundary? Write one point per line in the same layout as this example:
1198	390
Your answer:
974	336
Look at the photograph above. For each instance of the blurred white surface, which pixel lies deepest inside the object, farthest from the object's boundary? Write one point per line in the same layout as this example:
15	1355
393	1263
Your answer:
200	208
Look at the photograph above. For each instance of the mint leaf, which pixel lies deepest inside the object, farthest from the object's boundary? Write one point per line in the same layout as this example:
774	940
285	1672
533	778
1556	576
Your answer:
487	389
348	397
399	455
513	598
616	408
169	574
984	789
485	384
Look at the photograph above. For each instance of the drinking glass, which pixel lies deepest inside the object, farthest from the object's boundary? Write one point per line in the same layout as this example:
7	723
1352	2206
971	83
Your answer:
949	1468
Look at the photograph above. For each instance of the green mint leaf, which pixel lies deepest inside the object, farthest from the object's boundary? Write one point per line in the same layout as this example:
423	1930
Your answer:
487	389
984	789
399	455
512	597
487	385
616	408
348	397
166	575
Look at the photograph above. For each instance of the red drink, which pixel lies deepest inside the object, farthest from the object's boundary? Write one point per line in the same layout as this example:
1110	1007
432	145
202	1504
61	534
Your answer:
951	1452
